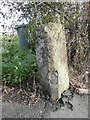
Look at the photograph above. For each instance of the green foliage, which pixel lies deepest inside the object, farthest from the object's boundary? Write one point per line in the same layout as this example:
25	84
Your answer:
50	17
17	63
31	33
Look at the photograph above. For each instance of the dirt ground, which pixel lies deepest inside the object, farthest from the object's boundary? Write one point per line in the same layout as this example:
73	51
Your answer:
30	100
67	107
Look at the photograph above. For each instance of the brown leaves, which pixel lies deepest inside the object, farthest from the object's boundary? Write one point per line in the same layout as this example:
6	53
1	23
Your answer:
79	82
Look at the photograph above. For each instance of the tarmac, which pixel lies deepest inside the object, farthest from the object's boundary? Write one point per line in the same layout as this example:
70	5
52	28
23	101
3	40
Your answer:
38	110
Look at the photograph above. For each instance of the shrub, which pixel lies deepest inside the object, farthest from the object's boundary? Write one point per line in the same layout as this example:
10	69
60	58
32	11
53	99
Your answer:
17	63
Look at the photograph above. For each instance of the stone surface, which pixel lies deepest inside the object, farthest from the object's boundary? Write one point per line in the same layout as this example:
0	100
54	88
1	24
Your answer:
51	57
67	93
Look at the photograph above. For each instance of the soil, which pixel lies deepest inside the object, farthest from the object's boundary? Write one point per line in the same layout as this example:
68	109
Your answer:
31	97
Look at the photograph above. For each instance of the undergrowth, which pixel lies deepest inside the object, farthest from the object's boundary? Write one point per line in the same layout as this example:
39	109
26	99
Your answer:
17	63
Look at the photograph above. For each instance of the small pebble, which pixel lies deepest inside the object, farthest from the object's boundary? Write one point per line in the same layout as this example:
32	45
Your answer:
67	93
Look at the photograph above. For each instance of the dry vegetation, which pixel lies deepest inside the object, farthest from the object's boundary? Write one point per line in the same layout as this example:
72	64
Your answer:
78	53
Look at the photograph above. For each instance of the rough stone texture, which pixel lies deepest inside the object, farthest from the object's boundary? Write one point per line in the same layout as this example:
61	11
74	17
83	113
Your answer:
52	58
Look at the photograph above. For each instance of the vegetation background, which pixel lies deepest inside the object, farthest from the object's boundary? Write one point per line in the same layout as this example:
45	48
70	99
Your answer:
19	65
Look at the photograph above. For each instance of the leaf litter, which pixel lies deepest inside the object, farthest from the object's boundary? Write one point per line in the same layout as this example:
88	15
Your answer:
31	92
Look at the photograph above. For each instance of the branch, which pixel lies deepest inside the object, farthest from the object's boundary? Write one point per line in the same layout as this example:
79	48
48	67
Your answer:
2	14
59	12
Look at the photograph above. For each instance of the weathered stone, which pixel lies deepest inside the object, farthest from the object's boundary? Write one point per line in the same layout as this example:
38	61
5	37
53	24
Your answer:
52	58
67	93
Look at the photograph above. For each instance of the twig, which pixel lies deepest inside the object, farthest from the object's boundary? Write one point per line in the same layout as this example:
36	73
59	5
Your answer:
83	91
